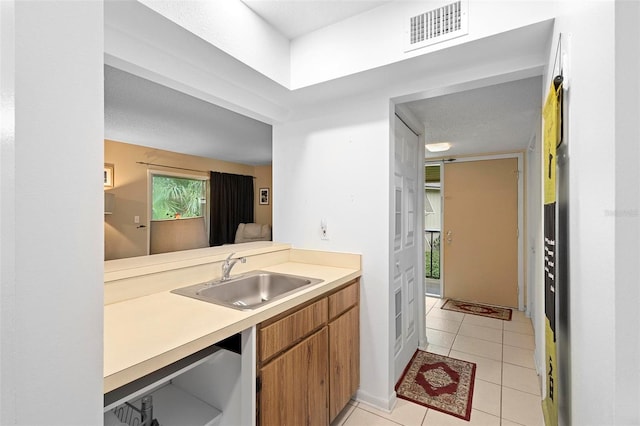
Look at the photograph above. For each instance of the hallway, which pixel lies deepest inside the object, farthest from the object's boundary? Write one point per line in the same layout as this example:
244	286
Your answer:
507	389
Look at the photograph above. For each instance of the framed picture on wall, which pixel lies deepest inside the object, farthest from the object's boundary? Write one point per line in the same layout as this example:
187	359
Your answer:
264	195
108	175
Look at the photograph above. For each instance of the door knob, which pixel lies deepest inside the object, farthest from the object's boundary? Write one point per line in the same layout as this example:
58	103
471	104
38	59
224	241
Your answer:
449	237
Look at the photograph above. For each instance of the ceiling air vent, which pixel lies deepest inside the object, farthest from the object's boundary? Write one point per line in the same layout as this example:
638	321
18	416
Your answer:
437	25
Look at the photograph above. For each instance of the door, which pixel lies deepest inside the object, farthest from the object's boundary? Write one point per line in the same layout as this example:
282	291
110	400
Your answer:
480	238
407	230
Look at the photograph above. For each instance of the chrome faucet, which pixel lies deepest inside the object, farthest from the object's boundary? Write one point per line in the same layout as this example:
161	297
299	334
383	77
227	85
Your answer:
227	265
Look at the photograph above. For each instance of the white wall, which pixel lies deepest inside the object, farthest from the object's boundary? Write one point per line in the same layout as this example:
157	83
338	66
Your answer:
603	234
365	41
51	213
627	211
234	28
142	42
378	37
336	167
333	162
591	122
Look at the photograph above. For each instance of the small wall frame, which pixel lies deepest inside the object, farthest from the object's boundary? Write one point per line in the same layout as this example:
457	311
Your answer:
108	175
264	196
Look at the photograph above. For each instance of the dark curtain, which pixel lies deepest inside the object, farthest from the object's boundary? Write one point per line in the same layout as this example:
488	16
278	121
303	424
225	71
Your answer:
231	204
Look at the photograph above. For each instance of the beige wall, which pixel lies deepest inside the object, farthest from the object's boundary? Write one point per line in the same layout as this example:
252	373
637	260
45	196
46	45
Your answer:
263	180
122	237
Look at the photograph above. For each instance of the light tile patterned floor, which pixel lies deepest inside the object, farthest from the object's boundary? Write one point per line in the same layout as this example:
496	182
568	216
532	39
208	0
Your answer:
507	388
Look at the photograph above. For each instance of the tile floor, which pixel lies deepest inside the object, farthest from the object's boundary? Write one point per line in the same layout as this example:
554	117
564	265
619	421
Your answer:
507	390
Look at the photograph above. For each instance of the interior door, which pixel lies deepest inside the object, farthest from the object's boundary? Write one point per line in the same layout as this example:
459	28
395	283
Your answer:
480	235
407	230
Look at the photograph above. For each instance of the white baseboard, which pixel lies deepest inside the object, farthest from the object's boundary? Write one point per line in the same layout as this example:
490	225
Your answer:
379	403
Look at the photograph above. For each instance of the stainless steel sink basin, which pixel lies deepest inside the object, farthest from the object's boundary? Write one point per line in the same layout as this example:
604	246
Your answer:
248	291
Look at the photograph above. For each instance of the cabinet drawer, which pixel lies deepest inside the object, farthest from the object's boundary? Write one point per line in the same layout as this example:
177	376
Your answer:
343	300
278	336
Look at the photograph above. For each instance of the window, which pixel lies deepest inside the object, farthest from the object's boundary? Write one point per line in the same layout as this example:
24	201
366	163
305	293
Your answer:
178	212
177	197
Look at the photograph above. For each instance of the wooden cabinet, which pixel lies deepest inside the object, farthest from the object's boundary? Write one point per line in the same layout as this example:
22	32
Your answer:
343	299
309	360
281	334
344	360
294	386
344	347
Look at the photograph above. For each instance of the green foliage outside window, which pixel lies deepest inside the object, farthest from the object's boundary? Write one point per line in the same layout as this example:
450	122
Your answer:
432	264
175	197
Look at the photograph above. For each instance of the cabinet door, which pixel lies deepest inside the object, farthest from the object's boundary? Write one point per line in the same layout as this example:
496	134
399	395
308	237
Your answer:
295	386
344	360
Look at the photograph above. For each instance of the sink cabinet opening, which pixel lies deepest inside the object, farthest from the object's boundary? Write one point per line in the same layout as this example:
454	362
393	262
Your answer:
206	388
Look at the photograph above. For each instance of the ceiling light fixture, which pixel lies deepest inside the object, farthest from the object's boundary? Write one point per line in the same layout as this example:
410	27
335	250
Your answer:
438	147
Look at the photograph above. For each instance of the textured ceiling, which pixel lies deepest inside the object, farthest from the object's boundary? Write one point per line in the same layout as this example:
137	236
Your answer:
141	112
295	18
490	119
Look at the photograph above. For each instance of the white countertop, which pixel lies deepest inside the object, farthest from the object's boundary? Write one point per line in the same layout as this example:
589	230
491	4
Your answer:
144	334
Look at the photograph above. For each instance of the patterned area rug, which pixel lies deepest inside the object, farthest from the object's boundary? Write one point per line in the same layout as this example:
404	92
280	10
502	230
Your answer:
478	309
439	382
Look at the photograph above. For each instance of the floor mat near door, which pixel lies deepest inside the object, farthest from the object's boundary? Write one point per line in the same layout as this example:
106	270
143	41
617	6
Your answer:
478	309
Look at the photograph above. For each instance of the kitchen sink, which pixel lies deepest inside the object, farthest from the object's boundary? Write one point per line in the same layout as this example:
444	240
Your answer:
248	291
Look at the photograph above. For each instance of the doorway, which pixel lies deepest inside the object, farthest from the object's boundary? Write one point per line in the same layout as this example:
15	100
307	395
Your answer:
480	244
432	229
475	120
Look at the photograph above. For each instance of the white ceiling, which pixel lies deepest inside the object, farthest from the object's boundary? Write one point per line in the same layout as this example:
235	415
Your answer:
496	118
491	119
298	17
141	112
